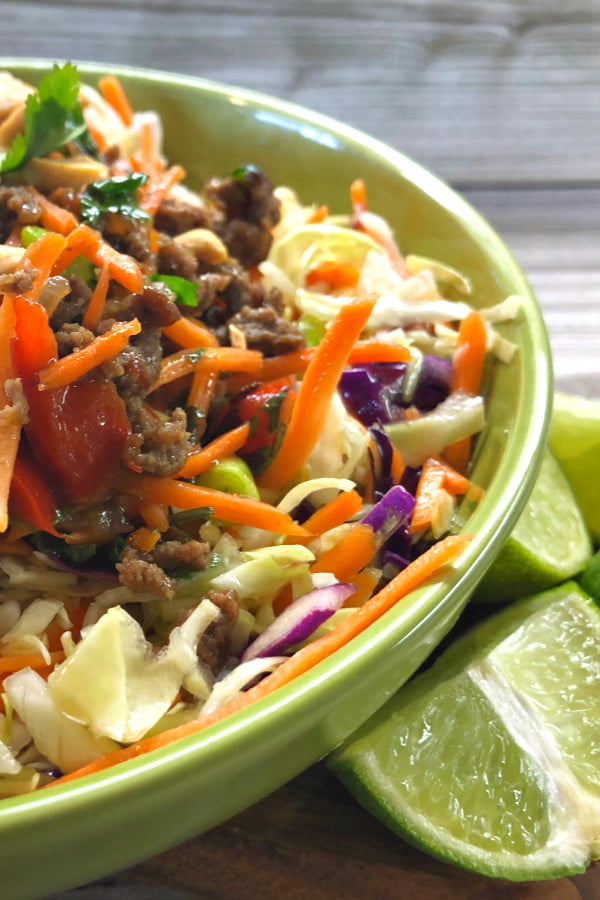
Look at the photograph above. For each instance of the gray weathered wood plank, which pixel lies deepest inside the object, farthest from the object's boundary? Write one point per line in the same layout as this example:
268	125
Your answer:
503	90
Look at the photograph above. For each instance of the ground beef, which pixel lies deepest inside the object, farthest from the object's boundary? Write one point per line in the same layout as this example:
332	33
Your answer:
137	367
72	337
177	554
245	210
213	647
17	207
158	446
145	572
174	216
18	282
72	306
267	332
68	198
233	290
141	575
155	307
131	238
174	259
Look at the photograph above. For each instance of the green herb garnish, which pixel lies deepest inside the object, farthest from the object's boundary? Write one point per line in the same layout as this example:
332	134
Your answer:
53	118
114	195
186	292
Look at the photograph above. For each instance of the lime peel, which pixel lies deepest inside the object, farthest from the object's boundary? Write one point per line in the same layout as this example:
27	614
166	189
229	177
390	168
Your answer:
475	760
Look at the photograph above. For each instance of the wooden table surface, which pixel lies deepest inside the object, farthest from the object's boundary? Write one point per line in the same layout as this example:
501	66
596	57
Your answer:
500	98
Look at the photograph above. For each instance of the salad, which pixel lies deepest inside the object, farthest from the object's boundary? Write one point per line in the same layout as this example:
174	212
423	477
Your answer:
235	429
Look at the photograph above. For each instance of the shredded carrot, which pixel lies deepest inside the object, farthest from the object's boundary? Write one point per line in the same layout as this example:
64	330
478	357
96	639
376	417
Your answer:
350	555
84	241
229	359
53	217
366	582
144	539
273	367
98	138
436	475
333	274
397	467
230	507
93	313
283	598
458	454
225	445
112	90
316	390
61	372
343	506
156	189
155	515
190	333
42	255
319	215
358	195
467	369
203	387
469	356
9	664
145	158
454	482
425	567
431	482
377	351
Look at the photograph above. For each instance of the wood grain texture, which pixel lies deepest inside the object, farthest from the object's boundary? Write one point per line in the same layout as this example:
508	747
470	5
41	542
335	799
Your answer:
310	841
503	90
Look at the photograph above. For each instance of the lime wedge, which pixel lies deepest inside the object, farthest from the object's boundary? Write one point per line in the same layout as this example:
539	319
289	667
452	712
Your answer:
575	441
549	544
490	760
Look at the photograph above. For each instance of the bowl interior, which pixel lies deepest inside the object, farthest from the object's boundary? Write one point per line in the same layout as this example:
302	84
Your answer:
140	808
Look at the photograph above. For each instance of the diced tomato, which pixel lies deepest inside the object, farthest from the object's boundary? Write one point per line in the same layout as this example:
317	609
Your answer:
78	434
31	499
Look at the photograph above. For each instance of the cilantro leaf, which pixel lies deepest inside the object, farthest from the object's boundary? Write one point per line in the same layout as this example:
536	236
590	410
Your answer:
113	195
186	292
53	118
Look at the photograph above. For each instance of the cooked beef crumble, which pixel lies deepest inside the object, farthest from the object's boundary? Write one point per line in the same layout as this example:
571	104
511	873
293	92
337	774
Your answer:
17	207
264	330
213	647
245	211
148	572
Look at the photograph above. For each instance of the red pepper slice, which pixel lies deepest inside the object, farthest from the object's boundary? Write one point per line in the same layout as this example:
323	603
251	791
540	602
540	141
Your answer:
268	408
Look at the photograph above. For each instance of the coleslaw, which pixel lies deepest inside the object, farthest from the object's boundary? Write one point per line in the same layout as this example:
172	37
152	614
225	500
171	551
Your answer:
235	430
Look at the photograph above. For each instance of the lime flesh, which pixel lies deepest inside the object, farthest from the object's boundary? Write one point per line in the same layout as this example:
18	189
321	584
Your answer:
575	441
549	544
491	759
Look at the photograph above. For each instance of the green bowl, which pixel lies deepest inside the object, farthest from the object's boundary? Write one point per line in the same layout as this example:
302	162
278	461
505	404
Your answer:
68	835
